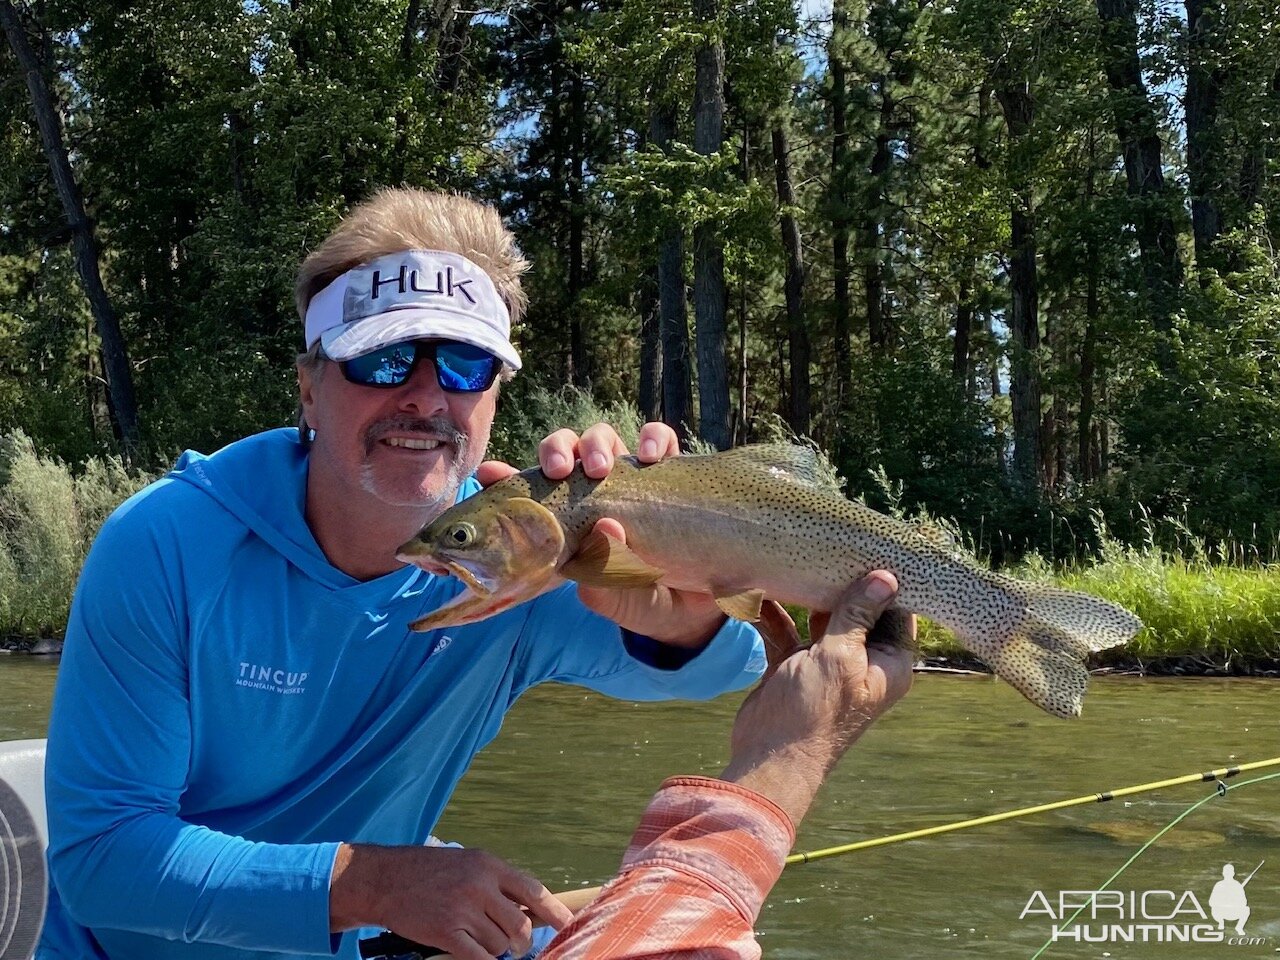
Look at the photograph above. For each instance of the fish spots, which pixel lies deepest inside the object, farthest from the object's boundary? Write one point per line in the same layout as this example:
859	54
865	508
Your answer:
757	519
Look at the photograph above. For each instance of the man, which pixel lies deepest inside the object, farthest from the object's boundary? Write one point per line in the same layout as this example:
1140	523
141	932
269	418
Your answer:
248	747
708	851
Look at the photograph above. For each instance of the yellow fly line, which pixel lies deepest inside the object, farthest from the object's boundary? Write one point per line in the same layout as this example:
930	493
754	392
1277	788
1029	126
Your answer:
1208	776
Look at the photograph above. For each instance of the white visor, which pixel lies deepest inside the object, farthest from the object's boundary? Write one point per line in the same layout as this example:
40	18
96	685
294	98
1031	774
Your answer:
411	295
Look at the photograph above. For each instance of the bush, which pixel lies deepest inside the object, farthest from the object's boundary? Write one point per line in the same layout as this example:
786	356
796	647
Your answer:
528	411
48	519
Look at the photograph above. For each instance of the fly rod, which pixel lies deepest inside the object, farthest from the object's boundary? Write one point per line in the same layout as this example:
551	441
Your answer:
1206	777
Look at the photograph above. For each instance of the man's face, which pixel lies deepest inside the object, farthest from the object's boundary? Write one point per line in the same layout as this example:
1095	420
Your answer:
372	438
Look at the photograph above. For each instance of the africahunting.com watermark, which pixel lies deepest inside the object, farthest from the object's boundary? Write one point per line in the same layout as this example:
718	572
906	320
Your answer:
1148	916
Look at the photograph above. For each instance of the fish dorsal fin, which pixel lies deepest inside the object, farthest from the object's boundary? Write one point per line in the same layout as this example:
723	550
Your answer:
935	535
786	461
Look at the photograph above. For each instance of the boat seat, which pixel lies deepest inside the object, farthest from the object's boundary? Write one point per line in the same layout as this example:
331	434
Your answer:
24	835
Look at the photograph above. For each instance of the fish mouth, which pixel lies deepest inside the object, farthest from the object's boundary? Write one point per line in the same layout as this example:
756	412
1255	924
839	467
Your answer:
479	584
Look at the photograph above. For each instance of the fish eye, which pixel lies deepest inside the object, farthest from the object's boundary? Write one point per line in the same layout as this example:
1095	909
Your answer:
461	534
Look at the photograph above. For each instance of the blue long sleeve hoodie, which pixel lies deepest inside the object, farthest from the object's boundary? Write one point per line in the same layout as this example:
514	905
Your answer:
230	708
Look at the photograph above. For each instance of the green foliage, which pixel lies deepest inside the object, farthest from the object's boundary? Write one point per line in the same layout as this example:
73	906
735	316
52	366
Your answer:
529	411
1201	441
48	518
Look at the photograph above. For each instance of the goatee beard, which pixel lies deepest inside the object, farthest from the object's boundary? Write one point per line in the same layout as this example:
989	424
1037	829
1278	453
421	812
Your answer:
436	428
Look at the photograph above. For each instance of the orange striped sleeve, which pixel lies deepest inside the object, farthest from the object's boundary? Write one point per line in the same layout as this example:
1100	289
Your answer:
702	861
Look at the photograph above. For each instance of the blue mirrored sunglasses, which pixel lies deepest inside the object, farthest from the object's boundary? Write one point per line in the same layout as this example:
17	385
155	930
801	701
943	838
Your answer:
460	367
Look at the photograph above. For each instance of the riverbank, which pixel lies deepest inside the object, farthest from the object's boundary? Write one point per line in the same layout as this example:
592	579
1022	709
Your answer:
1121	664
942	658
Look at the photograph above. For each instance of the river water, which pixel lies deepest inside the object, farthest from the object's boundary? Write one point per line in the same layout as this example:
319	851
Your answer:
561	789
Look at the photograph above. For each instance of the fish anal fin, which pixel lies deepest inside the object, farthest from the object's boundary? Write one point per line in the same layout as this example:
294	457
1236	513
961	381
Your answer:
602	561
740	604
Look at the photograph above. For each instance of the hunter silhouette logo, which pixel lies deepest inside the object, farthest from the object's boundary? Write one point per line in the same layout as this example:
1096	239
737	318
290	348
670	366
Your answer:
1228	900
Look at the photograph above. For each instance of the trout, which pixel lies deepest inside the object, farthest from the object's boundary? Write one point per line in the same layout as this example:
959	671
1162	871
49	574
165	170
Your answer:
748	526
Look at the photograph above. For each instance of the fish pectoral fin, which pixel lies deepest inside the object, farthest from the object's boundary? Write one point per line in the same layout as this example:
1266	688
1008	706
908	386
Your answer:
602	561
742	605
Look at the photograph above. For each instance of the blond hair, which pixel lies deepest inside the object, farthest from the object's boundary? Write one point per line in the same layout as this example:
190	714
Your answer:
407	218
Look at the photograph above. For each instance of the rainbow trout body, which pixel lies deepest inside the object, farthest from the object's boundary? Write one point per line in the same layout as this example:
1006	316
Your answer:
749	524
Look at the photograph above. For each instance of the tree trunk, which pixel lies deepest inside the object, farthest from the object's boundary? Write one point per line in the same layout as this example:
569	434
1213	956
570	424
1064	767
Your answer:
797	331
1059	468
454	35
408	37
1024	306
1254	165
115	355
1088	363
878	334
650	348
677	403
964	325
1092	310
1138	130
741	421
709	296
962	367
1104	433
298	37
580	372
1204	82
993	375
839	206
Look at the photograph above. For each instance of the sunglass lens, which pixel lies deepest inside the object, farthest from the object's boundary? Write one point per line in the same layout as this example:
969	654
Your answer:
463	368
389	366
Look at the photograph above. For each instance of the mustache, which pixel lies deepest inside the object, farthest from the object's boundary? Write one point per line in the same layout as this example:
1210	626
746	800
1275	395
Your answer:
437	428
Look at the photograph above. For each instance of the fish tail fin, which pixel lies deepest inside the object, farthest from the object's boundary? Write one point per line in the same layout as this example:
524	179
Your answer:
1042	655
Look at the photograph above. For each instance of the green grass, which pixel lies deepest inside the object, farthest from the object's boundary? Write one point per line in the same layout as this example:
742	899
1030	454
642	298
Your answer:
1190	606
